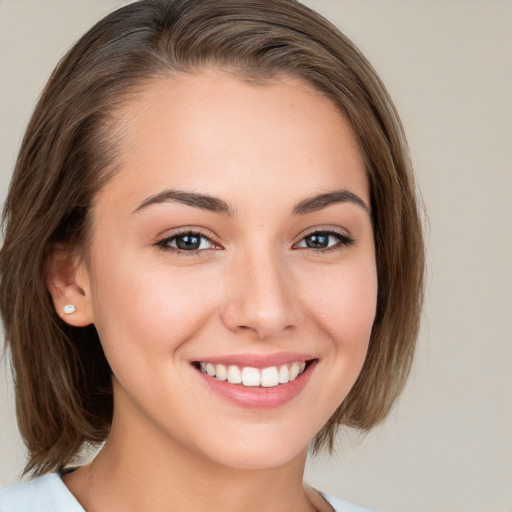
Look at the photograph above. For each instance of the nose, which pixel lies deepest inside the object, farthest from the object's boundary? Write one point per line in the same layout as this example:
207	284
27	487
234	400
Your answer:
260	297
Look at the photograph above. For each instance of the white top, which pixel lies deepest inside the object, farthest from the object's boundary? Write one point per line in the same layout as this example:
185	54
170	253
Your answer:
49	494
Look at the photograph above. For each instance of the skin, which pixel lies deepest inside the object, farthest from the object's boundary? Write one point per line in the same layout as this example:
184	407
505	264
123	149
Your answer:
255	289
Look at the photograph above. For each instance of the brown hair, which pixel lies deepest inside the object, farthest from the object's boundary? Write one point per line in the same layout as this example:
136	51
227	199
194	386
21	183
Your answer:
62	379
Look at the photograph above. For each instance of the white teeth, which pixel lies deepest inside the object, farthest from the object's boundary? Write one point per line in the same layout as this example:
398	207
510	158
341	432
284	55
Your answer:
294	371
253	377
269	377
221	372
234	375
284	374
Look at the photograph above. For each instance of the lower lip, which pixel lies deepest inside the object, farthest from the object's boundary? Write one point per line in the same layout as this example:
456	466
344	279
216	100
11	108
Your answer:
259	397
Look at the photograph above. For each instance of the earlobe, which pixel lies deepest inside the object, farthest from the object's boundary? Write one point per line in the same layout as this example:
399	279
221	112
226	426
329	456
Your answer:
67	281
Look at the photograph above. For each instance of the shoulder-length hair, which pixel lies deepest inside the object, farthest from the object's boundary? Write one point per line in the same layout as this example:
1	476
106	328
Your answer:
62	379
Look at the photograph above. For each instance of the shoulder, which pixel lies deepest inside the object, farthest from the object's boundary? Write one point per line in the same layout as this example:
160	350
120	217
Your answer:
42	494
340	505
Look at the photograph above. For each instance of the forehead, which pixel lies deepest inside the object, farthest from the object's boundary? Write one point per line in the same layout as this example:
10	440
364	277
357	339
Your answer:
216	131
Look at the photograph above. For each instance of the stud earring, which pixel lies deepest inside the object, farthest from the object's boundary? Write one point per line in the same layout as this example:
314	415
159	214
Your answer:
69	309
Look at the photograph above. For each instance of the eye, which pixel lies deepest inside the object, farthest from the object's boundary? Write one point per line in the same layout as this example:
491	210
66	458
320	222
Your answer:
188	241
325	240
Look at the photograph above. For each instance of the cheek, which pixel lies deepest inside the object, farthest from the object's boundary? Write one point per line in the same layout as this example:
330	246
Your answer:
149	313
344	303
344	308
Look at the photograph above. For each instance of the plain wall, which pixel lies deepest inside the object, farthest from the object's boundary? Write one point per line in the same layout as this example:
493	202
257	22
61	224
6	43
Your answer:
447	446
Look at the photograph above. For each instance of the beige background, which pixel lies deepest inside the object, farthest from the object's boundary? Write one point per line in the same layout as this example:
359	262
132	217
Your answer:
447	445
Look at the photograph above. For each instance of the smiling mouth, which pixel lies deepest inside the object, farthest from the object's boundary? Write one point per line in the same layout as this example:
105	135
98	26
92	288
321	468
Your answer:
248	376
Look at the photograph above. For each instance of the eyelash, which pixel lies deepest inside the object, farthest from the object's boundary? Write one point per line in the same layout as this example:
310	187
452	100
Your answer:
343	241
164	243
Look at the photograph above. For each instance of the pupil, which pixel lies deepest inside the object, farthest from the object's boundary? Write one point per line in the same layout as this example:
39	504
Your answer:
317	241
188	242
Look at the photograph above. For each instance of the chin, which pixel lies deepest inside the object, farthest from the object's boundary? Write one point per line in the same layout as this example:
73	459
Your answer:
260	452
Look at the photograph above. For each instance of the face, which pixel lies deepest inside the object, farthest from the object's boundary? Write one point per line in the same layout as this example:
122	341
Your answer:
234	244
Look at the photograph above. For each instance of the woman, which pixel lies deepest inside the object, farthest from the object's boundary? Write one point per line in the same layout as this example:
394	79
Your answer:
212	259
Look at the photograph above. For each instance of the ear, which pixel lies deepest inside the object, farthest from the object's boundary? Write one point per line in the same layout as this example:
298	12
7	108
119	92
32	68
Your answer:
67	280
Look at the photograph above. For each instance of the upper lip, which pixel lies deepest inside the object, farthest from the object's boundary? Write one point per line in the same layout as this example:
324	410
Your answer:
257	360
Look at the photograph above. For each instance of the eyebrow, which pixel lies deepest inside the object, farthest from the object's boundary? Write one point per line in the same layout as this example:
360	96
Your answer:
201	201
321	201
216	205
